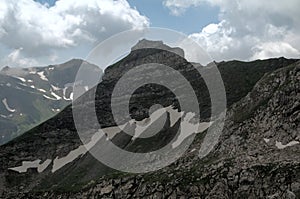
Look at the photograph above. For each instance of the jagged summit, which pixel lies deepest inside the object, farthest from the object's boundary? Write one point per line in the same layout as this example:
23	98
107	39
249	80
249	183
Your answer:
144	43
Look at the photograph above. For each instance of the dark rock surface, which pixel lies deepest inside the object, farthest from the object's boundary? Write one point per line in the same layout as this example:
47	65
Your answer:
263	103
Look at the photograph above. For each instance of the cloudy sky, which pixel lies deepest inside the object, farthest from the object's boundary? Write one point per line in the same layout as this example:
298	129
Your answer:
43	32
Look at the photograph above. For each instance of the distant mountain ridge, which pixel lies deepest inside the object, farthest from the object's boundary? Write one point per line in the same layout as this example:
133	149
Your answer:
28	96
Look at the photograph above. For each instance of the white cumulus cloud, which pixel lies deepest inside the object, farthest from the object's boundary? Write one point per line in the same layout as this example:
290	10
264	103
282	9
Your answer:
15	58
43	32
247	29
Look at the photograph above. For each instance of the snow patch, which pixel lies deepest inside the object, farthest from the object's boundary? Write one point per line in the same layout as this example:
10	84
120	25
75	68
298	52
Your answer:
80	151
42	90
58	163
189	129
64	94
187	123
4	101
55	88
20	78
56	96
71	96
141	126
266	140
175	115
50	98
203	126
61	162
42	76
34	164
3	116
111	132
279	145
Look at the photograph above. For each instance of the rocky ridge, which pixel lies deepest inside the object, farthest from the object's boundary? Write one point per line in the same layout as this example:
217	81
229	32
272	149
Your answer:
253	152
29	96
246	163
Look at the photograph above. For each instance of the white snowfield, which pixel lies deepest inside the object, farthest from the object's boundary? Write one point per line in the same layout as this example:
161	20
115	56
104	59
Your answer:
266	140
4	101
20	78
31	165
190	128
65	93
42	76
56	96
141	126
55	88
186	124
50	98
279	145
72	96
41	90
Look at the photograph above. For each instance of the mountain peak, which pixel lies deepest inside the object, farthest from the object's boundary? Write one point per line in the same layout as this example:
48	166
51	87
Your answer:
73	61
145	43
6	68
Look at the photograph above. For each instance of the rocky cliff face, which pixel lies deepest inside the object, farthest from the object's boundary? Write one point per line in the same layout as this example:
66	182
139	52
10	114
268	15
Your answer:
257	155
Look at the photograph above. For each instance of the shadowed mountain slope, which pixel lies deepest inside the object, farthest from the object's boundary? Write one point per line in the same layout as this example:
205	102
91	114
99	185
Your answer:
253	151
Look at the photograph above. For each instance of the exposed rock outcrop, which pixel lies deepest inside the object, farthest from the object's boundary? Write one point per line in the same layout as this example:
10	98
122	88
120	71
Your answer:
257	155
